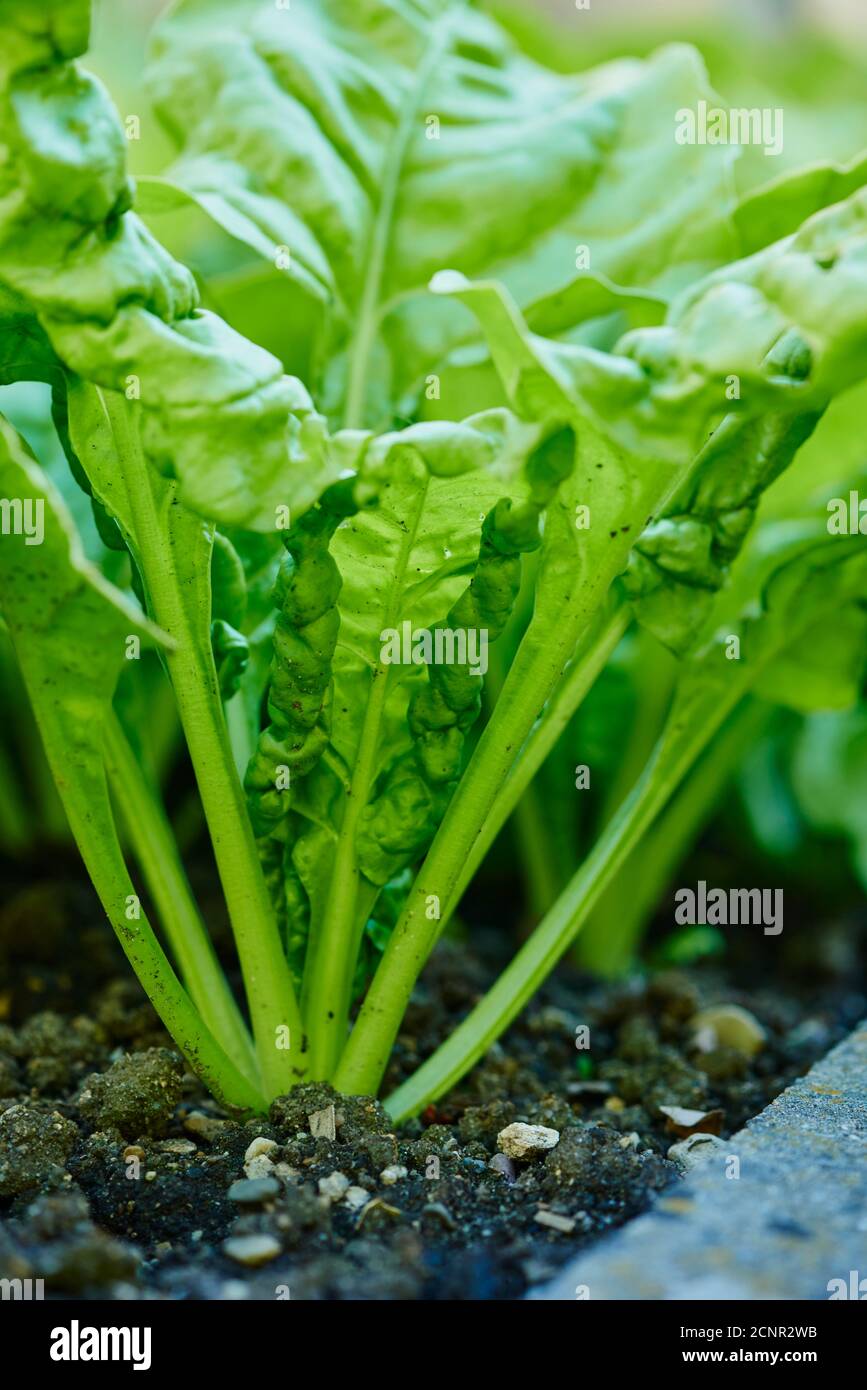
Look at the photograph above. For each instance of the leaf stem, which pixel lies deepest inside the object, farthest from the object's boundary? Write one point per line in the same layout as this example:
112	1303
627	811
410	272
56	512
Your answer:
532	964
104	863
268	984
153	845
607	943
590	658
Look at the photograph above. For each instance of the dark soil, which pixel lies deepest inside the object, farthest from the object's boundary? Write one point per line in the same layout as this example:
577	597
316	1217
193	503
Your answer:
120	1178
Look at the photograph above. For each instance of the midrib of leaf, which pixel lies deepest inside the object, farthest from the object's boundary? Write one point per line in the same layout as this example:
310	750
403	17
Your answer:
367	324
334	956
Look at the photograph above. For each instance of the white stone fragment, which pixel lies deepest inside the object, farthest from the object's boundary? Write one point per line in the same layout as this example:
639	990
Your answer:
259	1167
252	1250
334	1186
392	1174
555	1222
527	1141
259	1147
689	1153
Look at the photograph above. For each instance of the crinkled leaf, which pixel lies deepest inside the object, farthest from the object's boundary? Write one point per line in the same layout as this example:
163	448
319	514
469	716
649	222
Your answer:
228	583
736	380
25	352
407	558
779	208
217	411
378	142
231	656
402	561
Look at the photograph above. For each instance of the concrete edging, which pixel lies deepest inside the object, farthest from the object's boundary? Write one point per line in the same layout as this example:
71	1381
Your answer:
794	1219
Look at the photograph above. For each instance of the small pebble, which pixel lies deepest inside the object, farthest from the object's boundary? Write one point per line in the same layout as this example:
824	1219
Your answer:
335	1186
689	1153
323	1123
731	1026
356	1198
554	1222
442	1214
392	1174
527	1141
252	1250
260	1167
286	1172
501	1163
589	1088
233	1290
252	1191
260	1146
382	1213
205	1126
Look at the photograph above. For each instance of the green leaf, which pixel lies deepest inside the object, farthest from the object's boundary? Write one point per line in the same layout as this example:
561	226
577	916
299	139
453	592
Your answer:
406	560
25	352
113	305
591	296
231	655
228	612
228	583
728	388
160	195
402	559
829	774
815	597
779	208
824	669
378	143
787	327
689	945
680	561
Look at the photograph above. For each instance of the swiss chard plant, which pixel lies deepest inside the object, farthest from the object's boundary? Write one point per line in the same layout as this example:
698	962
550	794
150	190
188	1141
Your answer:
547	364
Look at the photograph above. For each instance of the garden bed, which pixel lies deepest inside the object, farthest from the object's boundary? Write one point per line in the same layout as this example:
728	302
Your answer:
121	1178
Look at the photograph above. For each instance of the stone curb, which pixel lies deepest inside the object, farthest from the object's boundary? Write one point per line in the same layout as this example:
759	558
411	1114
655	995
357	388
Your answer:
794	1219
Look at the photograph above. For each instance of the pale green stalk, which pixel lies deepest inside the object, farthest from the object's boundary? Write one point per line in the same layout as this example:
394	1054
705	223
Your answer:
270	994
152	843
534	962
